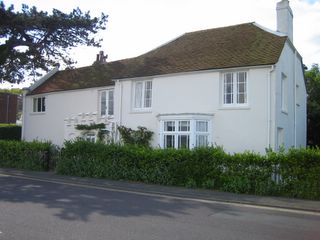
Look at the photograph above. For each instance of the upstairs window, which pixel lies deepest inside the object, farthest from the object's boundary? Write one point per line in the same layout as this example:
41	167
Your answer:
39	104
142	94
107	102
235	88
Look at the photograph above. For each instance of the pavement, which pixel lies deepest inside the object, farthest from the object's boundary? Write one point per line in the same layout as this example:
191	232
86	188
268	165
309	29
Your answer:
187	193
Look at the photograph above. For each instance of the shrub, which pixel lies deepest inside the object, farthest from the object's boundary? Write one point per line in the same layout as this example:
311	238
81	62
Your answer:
298	171
141	137
25	155
10	132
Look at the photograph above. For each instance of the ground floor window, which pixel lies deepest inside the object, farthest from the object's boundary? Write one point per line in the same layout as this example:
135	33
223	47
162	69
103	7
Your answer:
184	133
90	137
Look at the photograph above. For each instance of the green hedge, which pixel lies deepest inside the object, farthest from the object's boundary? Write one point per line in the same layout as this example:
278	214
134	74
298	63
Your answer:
25	155
292	174
10	132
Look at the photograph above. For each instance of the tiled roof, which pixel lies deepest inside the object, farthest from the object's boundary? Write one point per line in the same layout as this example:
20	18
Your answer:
227	47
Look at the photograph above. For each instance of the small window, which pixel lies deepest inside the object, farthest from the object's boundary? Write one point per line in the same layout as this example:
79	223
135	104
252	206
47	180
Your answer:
90	137
142	94
235	89
107	102
39	104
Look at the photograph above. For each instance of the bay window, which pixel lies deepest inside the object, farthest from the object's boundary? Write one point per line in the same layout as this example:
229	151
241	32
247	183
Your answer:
184	133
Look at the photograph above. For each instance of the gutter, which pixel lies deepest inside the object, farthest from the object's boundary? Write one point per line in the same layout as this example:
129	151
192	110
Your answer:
269	107
43	79
295	99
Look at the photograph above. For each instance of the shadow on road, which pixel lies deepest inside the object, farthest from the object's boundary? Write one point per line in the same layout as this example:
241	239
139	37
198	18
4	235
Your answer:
78	203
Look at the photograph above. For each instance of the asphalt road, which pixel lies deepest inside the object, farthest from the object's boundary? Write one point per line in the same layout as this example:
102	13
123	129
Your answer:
39	210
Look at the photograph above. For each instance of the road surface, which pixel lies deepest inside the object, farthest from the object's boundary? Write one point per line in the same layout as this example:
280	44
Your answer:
41	210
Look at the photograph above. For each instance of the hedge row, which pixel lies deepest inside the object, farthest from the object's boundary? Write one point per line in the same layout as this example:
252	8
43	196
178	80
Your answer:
25	155
10	132
292	174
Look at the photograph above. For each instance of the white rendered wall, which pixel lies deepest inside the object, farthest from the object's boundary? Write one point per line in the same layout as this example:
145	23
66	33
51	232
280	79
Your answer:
236	129
59	106
293	121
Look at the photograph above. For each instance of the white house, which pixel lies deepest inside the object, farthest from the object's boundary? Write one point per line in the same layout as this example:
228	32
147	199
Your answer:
241	87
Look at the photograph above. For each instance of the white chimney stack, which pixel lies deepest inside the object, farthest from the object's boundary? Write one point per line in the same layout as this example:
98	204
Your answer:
285	19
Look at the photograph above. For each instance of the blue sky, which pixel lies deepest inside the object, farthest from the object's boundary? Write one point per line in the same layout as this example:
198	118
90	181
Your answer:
137	26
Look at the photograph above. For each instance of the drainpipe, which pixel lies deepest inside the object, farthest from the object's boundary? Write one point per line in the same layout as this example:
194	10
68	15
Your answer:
269	99
120	107
295	99
25	90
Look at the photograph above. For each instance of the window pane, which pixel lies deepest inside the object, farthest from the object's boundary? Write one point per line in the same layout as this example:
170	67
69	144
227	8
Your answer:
169	126
103	103
184	126
38	104
43	104
110	103
202	126
168	141
35	101
201	141
90	137
148	94
138	95
242	87
228	88
183	141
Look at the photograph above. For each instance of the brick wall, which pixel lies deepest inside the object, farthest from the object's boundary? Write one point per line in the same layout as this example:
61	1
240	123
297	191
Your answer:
8	108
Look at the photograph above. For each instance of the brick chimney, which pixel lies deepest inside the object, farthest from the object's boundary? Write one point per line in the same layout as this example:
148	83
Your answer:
101	58
285	19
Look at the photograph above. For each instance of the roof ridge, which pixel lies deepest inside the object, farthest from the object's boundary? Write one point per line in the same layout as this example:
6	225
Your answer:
215	28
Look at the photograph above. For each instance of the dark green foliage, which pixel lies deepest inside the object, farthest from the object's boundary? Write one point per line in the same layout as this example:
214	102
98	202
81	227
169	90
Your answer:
25	155
312	77
141	137
94	126
292	174
31	40
10	132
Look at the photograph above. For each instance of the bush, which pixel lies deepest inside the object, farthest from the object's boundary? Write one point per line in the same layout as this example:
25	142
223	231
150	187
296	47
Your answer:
141	137
25	155
298	171
10	132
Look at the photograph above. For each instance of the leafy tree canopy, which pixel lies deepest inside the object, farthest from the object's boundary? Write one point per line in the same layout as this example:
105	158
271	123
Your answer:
32	40
313	89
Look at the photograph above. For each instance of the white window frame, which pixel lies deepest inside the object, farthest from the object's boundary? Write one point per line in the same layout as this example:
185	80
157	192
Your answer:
233	78
105	108
39	102
142	102
90	137
191	131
